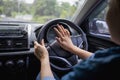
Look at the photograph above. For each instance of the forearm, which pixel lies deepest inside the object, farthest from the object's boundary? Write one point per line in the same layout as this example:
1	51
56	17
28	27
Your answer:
46	69
80	52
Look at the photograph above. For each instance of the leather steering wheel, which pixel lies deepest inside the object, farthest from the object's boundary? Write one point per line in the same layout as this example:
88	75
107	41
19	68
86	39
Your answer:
59	61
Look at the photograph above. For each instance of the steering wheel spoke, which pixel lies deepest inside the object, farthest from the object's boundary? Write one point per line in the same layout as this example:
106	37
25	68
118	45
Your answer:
78	41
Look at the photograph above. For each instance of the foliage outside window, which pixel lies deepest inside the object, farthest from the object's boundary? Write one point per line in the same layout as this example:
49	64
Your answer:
37	10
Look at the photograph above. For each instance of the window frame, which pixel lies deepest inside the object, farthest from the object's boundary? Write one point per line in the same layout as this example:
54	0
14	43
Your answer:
93	15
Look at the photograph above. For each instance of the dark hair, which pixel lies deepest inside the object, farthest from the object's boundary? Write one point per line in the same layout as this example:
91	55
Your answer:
118	3
115	3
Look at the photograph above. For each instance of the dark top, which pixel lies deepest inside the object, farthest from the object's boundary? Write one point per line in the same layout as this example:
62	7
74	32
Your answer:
103	65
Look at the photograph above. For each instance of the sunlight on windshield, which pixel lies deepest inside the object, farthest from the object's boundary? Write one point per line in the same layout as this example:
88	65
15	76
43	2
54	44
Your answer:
37	10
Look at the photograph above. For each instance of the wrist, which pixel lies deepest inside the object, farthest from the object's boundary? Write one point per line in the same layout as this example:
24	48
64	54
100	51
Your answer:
44	55
44	58
45	62
73	49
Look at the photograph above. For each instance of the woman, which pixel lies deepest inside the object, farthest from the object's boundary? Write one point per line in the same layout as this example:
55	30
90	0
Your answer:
103	65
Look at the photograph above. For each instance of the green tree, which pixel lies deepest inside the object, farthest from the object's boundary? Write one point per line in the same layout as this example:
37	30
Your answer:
1	6
8	7
67	10
44	7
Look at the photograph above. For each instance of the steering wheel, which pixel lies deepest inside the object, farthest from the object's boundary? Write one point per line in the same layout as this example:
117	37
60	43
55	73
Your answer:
58	56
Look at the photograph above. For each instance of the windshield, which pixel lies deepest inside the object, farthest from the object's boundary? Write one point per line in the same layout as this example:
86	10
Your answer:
37	10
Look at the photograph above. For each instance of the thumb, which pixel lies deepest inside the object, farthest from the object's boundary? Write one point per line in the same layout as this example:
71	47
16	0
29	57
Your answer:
35	44
42	42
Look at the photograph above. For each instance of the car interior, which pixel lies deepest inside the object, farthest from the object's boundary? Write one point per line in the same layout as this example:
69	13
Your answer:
87	27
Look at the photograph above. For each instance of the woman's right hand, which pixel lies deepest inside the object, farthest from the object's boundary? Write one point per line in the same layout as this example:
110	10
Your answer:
63	38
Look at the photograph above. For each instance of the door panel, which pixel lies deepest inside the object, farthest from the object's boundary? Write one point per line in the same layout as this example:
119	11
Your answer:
98	43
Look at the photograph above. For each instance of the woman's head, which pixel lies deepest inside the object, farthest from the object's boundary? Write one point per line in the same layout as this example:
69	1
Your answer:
113	20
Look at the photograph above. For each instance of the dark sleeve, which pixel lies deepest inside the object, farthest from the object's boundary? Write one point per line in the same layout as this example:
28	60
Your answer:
98	67
81	71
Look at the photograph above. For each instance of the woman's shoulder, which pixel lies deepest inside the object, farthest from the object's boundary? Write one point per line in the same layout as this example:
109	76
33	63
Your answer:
107	52
106	56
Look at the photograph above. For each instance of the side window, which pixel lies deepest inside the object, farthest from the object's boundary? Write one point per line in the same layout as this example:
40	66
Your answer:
97	21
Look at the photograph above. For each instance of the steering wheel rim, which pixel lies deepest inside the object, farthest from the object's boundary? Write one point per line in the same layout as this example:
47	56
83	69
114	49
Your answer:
71	24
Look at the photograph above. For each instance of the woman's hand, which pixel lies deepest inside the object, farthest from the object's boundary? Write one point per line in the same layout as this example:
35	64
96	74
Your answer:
42	54
64	38
40	50
66	43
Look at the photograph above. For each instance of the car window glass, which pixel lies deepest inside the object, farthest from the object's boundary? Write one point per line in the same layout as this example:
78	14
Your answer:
39	11
97	22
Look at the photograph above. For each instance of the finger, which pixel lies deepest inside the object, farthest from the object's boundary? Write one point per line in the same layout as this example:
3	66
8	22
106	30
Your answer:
68	33
35	46
35	49
36	43
42	42
60	30
58	33
58	39
63	29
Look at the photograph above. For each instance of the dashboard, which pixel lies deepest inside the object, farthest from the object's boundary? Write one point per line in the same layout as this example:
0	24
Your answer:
17	50
15	37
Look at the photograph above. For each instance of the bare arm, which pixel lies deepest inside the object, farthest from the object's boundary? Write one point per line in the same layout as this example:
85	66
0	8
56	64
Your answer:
80	52
65	42
46	70
42	54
